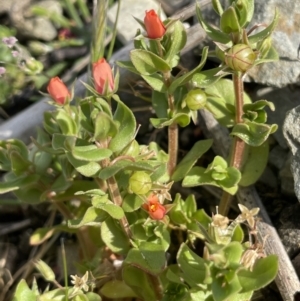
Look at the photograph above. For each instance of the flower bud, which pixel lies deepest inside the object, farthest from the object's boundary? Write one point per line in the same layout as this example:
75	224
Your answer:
264	47
155	209
240	57
45	270
103	77
58	91
195	99
154	26
140	182
133	149
32	66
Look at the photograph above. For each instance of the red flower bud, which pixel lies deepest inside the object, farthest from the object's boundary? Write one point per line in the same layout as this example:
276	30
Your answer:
58	90
155	209
154	26
103	76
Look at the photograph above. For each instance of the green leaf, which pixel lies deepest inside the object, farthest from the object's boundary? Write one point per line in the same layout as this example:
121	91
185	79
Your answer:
217	7
117	289
182	80
229	21
263	34
255	164
189	160
66	123
93	296
104	127
19	165
92	217
206	78
49	123
138	280
40	235
222	290
132	202
245	11
110	171
114	237
156	82
264	271
220	101
113	210
128	65
23	292
90	153
254	134
17	183
55	295
192	266
147	63
199	176
58	141
214	34
181	119
160	104
177	41
41	158
150	257
87	169
176	292
271	56
127	126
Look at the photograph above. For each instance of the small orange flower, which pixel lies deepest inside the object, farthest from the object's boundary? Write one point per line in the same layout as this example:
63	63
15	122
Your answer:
58	90
103	76
155	209
154	26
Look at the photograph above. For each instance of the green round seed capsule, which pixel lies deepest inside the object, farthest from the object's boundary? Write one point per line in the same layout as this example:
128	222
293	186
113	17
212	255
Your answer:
240	57
195	99
140	182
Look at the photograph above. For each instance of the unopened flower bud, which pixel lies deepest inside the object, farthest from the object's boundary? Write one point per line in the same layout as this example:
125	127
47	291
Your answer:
45	270
140	182
240	57
154	26
195	99
133	149
264	46
58	91
33	67
103	77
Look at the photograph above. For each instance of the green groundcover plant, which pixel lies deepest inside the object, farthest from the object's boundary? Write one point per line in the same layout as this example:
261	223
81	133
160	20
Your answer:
116	195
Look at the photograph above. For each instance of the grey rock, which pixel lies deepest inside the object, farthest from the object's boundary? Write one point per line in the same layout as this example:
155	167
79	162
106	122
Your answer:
288	182
268	178
171	6
31	26
127	25
277	157
291	130
5	6
286	39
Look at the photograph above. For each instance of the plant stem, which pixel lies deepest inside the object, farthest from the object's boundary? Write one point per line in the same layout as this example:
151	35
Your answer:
173	128
115	195
238	145
172	147
113	191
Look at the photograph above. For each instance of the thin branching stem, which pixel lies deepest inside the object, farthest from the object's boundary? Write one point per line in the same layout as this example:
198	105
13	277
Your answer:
238	145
